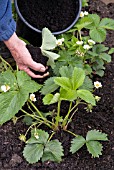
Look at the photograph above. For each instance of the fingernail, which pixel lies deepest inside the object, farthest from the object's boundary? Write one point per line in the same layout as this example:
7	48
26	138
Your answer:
42	69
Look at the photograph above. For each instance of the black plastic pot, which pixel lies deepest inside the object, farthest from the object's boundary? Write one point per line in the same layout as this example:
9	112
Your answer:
55	33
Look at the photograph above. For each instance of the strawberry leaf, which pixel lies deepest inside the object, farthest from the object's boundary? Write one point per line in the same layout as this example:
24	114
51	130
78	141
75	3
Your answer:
77	143
94	148
96	135
53	151
33	152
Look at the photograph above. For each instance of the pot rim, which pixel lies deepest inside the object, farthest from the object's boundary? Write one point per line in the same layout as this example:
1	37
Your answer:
54	33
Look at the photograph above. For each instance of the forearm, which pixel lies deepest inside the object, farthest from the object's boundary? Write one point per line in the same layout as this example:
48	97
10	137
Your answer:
7	23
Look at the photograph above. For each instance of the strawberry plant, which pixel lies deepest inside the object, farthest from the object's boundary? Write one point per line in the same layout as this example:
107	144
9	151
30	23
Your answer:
17	88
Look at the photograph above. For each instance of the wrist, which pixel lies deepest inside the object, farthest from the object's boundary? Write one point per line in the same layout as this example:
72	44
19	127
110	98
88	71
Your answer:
13	42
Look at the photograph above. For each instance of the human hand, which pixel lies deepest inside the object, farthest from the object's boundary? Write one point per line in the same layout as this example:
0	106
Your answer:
23	58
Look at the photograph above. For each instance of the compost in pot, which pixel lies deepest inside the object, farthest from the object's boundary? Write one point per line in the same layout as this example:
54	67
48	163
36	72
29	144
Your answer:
56	15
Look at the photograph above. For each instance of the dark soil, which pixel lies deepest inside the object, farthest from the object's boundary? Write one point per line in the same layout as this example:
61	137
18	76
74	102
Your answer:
102	118
56	15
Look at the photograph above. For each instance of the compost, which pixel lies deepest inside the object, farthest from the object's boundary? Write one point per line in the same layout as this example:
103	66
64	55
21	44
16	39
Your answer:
55	15
37	56
102	118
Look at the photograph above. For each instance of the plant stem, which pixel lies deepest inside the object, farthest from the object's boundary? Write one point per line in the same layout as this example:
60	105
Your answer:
58	114
30	115
75	106
6	63
66	117
36	109
30	128
71	133
45	121
20	117
71	117
51	136
79	31
30	108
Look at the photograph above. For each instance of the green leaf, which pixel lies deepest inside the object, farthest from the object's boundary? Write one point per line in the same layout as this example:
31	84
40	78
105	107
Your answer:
63	82
22	77
105	57
77	143
92	53
96	135
99	72
95	19
87	85
66	71
53	151
94	148
25	82
84	3
99	64
87	96
69	95
48	40
10	103
8	78
111	51
87	68
83	22
43	136
107	23
28	120
51	55
78	77
98	34
50	98
49	86
99	48
33	152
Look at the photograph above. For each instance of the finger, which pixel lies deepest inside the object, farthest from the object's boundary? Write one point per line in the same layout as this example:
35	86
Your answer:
36	66
30	73
37	76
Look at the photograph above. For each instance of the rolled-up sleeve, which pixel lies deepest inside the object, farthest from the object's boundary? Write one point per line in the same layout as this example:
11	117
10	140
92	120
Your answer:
7	23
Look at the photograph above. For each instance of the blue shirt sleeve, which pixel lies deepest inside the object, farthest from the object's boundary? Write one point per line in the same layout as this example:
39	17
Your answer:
7	23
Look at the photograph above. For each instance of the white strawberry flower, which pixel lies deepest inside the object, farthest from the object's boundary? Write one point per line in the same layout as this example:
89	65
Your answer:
97	84
86	13
36	135
32	97
86	47
62	39
81	14
79	42
59	41
5	88
91	42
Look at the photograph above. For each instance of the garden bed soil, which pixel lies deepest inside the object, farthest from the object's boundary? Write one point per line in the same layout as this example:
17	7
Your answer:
102	118
55	15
